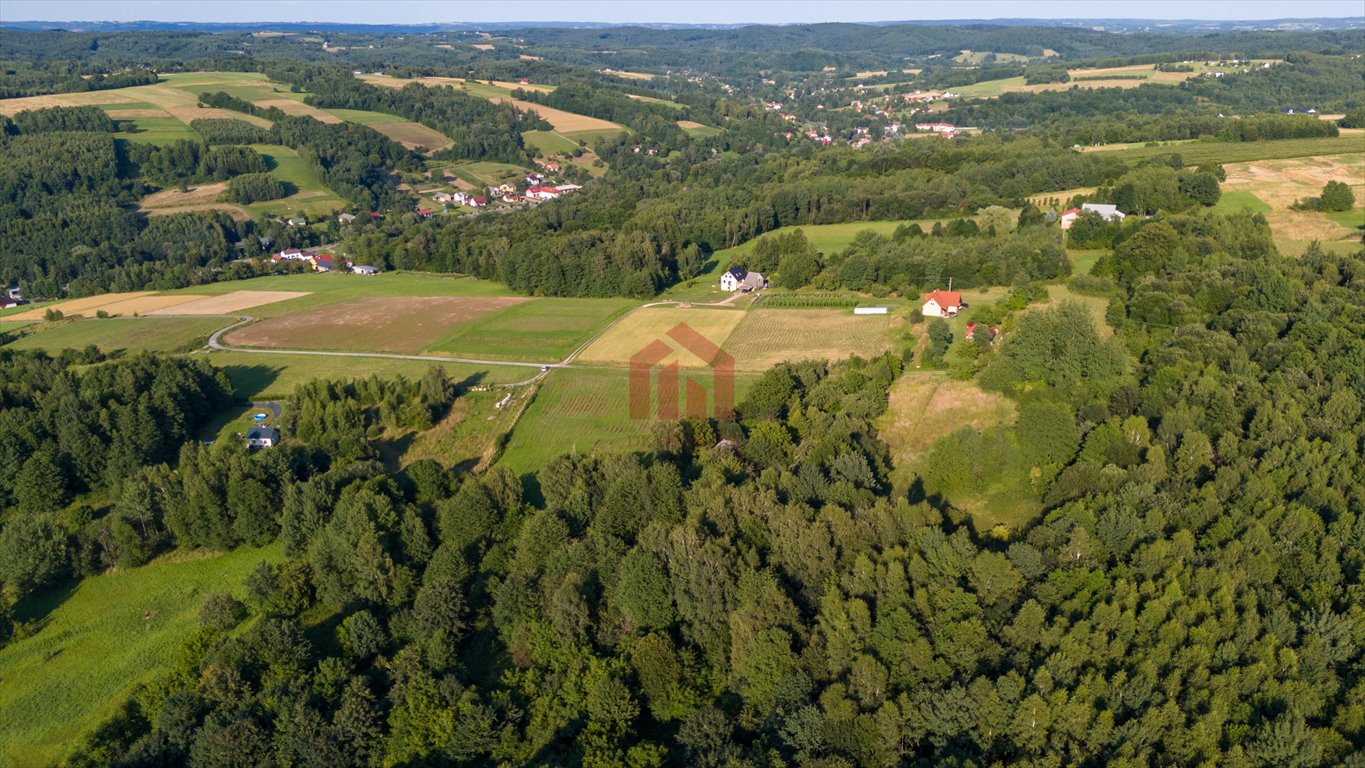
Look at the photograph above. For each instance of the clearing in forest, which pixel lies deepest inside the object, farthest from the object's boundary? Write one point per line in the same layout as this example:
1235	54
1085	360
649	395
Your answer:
921	408
1278	184
404	325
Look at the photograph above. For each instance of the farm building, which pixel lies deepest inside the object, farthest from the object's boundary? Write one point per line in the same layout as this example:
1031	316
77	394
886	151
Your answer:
1107	212
562	188
542	193
297	221
346	218
869	310
941	303
262	437
442	197
6	302
365	269
740	279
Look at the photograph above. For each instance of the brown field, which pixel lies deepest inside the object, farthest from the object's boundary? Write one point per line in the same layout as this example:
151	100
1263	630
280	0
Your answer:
404	325
413	135
561	120
924	407
1279	183
872	73
644	326
228	303
1062	196
116	304
130	114
484	46
237	212
690	124
455	82
767	337
174	198
13	106
528	57
298	109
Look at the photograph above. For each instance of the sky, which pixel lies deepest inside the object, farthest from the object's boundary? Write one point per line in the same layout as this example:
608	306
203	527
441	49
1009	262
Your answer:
662	11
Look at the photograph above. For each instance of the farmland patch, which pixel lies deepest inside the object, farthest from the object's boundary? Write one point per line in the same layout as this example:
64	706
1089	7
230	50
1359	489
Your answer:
153	334
375	324
649	324
767	337
540	329
229	303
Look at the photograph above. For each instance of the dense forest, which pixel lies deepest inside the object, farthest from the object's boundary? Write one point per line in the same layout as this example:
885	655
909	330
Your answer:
761	592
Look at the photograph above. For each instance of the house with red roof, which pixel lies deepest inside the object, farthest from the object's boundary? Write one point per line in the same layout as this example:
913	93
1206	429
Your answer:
542	193
1068	217
939	303
477	201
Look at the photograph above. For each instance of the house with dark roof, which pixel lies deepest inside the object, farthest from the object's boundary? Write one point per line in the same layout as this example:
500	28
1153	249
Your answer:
738	278
262	437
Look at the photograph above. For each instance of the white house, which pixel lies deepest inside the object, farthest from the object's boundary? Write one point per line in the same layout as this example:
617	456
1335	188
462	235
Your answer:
740	279
1108	212
542	193
365	269
262	437
941	303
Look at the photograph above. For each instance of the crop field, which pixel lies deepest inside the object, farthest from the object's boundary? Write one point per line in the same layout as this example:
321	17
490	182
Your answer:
413	135
404	325
229	303
548	142
591	135
318	288
153	334
204	197
536	330
158	130
114	632
767	337
653	323
696	130
1108	77
131	303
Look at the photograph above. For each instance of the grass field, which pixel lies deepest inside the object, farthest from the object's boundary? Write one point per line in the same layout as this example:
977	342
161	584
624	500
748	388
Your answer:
583	411
540	329
158	130
1352	219
548	142
471	435
404	325
591	135
1083	260
1232	202
646	325
698	131
154	334
1096	306
485	173
115	631
310	195
1197	152
767	337
1276	184
271	376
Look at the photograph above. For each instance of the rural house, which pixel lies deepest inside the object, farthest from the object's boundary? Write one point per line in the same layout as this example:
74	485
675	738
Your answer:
941	303
740	279
346	218
262	437
1107	212
1068	217
6	302
542	193
297	221
365	269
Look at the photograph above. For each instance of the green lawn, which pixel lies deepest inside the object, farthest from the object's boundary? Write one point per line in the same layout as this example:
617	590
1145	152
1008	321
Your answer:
989	88
1352	219
115	631
1232	202
257	376
158	130
484	173
538	330
1083	261
548	142
154	334
333	287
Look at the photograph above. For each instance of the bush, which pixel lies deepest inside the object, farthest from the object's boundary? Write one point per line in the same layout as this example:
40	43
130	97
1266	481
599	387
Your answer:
221	612
1336	196
53	315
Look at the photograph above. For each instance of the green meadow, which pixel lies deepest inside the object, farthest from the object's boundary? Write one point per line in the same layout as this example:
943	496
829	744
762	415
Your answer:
113	632
548	142
541	329
269	376
153	334
157	130
1232	202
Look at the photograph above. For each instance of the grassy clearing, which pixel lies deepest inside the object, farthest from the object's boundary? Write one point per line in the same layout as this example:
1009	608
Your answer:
1352	219
1083	260
472	434
158	130
541	329
590	135
1096	306
767	337
115	631
1232	202
649	324
698	131
1279	183
988	89
548	142
310	197
270	376
153	334
487	174
232	423
332	287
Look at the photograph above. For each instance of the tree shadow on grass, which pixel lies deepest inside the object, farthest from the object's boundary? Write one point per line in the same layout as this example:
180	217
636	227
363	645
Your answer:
249	381
35	611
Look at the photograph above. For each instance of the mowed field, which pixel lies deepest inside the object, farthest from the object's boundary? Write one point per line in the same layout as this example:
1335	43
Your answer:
257	376
149	302
404	325
646	325
1278	183
116	631
1107	77
767	337
538	330
152	334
